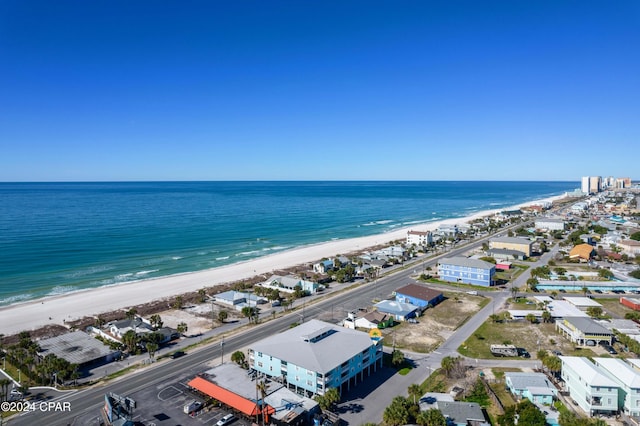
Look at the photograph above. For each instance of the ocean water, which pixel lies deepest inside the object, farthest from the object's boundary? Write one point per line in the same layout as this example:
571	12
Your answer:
61	237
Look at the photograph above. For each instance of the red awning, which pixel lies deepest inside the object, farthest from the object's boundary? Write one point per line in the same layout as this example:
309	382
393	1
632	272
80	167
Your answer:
233	400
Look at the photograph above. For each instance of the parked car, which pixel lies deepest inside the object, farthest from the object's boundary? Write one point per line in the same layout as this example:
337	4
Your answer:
226	420
178	354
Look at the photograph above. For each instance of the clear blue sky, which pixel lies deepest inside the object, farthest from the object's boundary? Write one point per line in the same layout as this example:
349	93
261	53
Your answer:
275	90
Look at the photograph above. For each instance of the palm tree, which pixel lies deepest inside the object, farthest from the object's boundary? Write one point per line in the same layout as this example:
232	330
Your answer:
131	313
431	417
414	391
182	328
152	347
130	340
156	321
261	387
546	316
397	357
202	295
222	316
448	364
4	384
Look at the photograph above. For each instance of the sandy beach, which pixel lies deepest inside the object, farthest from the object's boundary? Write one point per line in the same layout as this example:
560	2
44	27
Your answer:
53	310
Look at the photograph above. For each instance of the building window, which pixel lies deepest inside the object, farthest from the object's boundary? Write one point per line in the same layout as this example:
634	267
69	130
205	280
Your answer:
259	363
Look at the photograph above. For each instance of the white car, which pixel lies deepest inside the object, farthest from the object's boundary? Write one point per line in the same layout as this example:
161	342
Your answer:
226	420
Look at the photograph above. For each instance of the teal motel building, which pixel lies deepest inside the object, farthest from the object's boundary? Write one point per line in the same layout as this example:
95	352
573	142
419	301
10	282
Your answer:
316	356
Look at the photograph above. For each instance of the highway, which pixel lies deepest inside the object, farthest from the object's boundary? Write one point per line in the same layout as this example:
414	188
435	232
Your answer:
92	399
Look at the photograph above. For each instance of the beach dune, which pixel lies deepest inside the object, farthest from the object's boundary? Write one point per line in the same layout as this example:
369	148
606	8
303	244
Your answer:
59	309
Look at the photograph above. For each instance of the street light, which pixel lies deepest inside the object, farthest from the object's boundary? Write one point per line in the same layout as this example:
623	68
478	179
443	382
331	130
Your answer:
222	349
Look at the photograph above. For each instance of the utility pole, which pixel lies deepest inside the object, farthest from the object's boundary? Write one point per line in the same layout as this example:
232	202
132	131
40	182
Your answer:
222	351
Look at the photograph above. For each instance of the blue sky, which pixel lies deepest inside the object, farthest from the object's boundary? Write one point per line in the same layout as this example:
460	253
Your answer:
308	90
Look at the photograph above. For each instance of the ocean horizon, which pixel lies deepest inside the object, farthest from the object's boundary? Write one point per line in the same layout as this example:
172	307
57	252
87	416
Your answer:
60	237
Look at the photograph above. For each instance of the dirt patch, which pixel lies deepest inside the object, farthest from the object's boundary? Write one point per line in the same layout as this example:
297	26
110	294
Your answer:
195	324
436	324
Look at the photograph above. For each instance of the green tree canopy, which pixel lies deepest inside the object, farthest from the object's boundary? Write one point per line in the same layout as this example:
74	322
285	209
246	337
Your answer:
431	417
397	413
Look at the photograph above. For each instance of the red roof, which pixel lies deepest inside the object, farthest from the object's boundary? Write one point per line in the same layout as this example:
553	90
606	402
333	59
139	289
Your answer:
233	400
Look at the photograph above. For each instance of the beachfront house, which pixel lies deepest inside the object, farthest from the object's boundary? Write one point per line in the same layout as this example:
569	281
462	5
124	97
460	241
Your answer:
588	386
238	299
419	295
316	356
447	230
522	245
289	284
323	267
419	238
465	270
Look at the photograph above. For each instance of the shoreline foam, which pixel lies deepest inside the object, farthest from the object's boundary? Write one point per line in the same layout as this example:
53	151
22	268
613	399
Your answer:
32	314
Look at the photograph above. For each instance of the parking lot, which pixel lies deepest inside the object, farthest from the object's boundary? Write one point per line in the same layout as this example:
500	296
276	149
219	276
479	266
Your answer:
163	405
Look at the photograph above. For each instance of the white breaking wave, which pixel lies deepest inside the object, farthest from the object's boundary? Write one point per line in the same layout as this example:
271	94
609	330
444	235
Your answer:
146	272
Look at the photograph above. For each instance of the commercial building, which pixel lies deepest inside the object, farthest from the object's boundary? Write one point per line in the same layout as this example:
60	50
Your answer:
549	224
232	386
512	243
630	247
316	355
78	348
465	270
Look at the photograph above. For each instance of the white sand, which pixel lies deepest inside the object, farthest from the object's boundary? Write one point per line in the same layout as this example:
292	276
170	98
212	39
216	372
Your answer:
35	314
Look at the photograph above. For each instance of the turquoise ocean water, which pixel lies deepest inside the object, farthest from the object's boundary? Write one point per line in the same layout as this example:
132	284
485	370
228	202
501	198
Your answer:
61	237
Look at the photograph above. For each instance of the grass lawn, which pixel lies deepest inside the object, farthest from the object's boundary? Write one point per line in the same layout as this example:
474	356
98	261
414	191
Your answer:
436	382
515	271
614	307
522	334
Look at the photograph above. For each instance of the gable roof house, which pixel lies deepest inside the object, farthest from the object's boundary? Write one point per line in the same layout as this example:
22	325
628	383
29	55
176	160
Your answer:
588	386
534	386
460	413
239	299
582	251
323	266
583	331
370	320
419	295
288	284
398	310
